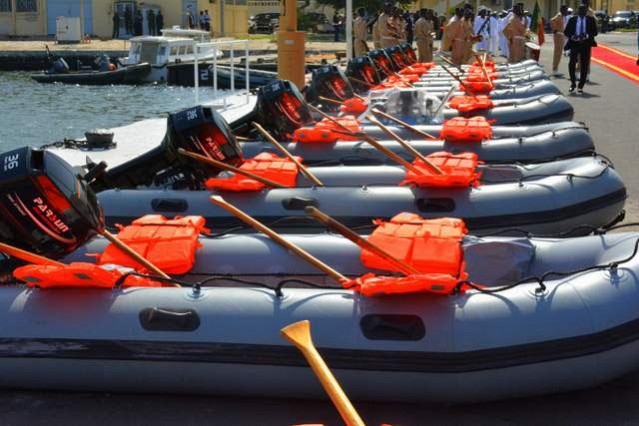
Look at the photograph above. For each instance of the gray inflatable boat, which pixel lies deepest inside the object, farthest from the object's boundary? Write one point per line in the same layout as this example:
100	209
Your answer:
576	331
546	146
584	191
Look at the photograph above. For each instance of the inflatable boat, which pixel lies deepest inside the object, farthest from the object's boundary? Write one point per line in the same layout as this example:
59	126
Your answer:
551	316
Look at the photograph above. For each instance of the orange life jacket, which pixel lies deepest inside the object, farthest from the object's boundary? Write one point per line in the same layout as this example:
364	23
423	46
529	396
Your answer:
326	131
471	103
371	285
432	246
391	85
412	70
279	169
355	106
80	274
459	170
480	76
477	87
169	244
490	66
461	129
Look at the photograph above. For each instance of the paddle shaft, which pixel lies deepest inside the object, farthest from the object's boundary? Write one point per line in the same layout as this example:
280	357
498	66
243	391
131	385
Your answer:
363	243
285	151
403	123
418	155
27	256
483	66
133	254
390	154
229	168
299	334
219	201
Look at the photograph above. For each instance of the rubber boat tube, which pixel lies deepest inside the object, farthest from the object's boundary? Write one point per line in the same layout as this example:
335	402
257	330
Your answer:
579	332
592	193
547	146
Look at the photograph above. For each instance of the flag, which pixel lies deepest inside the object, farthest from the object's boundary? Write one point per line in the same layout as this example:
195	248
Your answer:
537	24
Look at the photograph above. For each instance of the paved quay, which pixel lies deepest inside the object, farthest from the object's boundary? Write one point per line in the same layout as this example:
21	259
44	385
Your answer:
610	108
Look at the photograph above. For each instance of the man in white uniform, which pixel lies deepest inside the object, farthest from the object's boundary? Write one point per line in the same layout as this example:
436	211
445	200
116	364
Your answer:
503	41
481	27
494	34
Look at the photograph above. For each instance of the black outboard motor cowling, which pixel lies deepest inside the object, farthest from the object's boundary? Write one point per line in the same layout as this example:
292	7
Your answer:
45	207
382	62
329	82
362	70
396	55
409	53
281	109
201	130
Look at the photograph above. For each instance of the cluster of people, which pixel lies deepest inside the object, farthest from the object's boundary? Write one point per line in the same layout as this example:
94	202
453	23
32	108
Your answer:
202	22
134	22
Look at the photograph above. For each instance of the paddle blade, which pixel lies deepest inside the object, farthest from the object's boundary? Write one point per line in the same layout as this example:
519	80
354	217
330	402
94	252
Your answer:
299	334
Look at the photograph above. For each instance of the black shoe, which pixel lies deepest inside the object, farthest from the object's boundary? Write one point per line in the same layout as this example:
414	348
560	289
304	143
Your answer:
572	88
580	91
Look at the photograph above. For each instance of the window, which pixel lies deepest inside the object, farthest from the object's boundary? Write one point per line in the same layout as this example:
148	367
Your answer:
174	50
162	51
182	50
189	50
5	5
27	6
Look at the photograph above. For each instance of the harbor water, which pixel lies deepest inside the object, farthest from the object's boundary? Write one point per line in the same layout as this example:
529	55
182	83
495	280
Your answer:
34	114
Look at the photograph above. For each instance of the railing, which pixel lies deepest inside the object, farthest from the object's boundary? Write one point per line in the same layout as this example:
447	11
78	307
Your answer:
214	47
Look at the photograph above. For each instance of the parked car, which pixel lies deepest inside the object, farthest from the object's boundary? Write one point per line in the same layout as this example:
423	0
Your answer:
623	19
603	20
263	22
319	23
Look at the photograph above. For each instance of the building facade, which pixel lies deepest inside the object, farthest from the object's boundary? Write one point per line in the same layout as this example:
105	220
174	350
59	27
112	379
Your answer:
38	17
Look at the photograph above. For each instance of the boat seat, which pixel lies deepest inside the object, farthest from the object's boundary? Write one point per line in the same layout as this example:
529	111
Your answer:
497	262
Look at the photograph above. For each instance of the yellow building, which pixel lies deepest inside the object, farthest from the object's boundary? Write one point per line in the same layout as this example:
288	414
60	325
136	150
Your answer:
23	17
228	17
38	17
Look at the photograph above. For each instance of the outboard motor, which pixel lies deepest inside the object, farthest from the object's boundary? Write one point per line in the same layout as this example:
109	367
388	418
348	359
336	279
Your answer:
397	57
281	109
362	70
329	82
201	130
382	62
409	53
45	207
60	66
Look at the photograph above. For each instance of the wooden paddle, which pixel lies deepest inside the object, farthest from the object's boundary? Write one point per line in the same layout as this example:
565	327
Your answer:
449	62
229	168
285	151
357	80
363	243
390	154
133	254
299	334
406	146
27	256
403	124
483	66
219	201
457	78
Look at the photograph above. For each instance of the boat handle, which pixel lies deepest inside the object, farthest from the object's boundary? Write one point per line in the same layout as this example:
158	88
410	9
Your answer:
392	327
171	205
298	203
167	319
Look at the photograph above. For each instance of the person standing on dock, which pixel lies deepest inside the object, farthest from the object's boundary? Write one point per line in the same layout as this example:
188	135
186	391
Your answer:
447	40
384	28
377	38
515	32
138	23
557	26
360	33
150	21
207	21
116	24
581	32
159	22
423	36
128	20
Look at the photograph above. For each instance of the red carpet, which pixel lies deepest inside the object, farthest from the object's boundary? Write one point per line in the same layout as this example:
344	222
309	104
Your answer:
616	61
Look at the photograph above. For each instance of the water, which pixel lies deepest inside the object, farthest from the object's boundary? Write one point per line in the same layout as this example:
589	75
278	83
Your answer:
32	113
